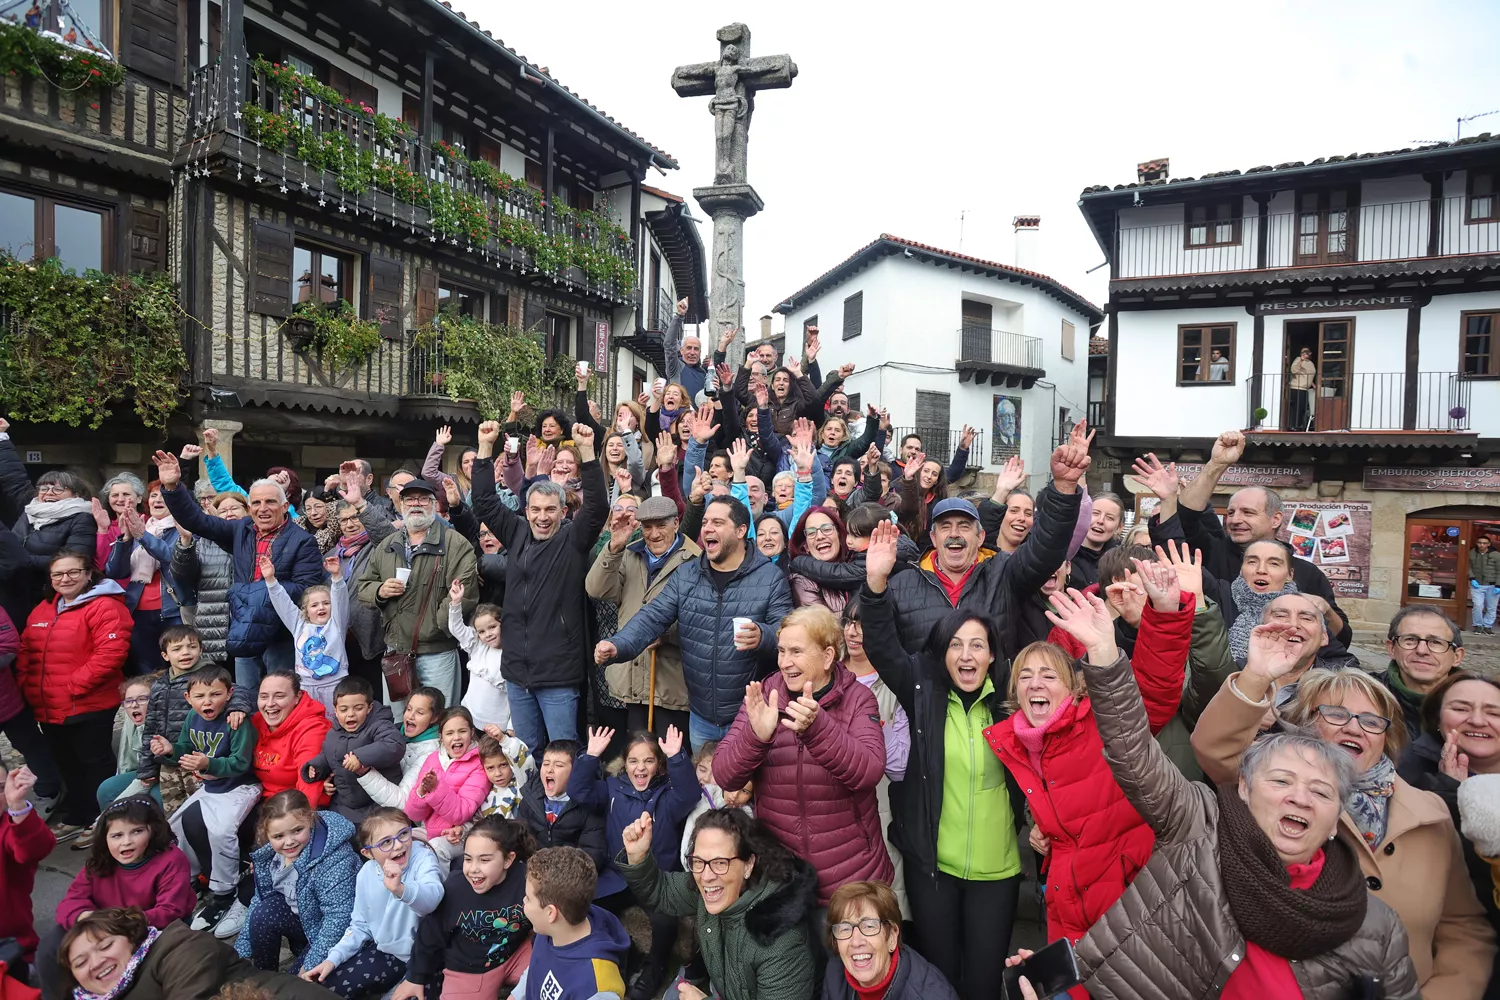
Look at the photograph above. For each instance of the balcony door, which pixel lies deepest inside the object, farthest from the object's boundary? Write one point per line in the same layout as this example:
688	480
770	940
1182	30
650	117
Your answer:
978	321
1326	406
1325	226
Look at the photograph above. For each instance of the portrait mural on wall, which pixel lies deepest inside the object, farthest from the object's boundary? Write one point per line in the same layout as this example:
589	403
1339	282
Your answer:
1005	433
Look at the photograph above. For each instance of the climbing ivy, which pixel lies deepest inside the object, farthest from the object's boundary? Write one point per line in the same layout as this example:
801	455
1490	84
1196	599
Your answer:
486	362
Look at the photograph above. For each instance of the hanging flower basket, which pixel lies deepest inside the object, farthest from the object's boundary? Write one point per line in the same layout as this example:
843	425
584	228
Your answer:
299	333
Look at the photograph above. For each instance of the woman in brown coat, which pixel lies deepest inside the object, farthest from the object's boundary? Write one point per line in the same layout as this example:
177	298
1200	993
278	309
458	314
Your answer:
1408	849
1249	892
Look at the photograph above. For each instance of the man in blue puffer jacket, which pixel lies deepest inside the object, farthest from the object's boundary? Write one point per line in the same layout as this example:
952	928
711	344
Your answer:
257	640
729	580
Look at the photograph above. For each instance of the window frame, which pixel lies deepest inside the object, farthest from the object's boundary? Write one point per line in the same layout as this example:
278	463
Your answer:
553	341
858	298
1204	348
348	270
44	204
1492	368
1236	221
461	289
1068	347
1470	219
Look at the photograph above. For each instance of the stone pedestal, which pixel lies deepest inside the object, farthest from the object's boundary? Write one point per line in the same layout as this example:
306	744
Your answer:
227	430
729	205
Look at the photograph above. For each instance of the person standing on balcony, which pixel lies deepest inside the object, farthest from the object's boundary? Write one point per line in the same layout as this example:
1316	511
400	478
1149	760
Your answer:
1304	377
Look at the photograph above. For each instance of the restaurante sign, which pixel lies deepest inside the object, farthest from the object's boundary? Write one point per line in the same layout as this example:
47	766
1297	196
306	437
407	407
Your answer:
1336	303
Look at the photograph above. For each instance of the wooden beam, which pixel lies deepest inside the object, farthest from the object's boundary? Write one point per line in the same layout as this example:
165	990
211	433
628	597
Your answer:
1434	213
232	29
1262	230
1112	372
547	188
1413	360
1257	348
429	130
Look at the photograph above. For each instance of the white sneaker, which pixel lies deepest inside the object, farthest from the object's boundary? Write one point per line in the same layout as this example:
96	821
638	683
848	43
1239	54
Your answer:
234	918
44	805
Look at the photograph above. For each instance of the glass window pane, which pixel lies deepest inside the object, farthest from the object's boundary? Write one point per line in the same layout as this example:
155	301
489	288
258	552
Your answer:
1198	235
18	225
1224	232
445	296
80	238
1482	207
1483	184
302	267
1193	336
1307	245
330	276
1221	335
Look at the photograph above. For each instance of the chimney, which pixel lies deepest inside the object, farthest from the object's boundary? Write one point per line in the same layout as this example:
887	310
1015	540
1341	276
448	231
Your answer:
1028	241
1153	171
765	327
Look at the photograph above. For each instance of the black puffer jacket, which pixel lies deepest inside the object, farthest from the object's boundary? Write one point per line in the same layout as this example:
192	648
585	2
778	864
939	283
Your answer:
544	620
915	979
40	544
716	673
379	744
576	826
167	712
206	568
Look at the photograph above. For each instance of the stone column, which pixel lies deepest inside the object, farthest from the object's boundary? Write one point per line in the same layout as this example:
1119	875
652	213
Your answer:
227	430
729	205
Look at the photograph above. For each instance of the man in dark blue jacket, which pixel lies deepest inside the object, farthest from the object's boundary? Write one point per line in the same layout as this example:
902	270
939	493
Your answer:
704	597
257	640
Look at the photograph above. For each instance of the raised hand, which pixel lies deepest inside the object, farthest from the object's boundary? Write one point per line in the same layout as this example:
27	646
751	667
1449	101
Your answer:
622	525
846	370
762	713
914	466
517	404
646	401
794	365
1229	448
1453	762
803	430
583	377
1160	583
456	592
802	457
1086	618
605	653
739	458
267	570
702	482
211	441
637	839
1272	655
533	453
811	347
18	786
1159	479
761	392
134	523
885	420
803	712
167	470
450	490
599	740
671	744
583	440
682	307
101	516
725	339
190	452
704	427
331	564
352	488
444	435
1188	565
622	479
1012	474
1080	435
666	450
966	440
1128	599
871	458
545	459
726	375
1069	463
489	433
880	557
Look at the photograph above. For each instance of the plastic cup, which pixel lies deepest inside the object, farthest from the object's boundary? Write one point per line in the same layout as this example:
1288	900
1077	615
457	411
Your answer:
740	623
583	369
512	444
403	574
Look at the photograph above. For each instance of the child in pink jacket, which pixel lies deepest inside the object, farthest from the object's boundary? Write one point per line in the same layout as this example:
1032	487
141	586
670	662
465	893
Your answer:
451	785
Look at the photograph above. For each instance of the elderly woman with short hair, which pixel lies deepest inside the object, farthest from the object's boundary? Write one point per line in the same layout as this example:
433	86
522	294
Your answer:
864	931
1404	838
1250	893
55	515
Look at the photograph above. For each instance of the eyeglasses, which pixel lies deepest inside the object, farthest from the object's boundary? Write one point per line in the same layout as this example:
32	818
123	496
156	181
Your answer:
812	531
51	489
719	866
617	508
137	701
1368	721
67	574
869	927
853	623
419	500
388	844
1410	642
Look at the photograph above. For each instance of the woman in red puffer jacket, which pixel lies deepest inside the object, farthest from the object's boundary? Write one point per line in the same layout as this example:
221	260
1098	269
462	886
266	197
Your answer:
815	762
1093	841
73	649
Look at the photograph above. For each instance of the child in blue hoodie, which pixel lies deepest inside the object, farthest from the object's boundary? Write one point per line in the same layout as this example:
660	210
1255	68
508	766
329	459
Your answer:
400	883
579	950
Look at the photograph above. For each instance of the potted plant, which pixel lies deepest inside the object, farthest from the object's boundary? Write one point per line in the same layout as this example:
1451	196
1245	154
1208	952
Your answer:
1260	415
300	328
342	339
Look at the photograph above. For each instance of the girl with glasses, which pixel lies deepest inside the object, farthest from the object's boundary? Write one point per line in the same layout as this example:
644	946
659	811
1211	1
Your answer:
399	883
1404	838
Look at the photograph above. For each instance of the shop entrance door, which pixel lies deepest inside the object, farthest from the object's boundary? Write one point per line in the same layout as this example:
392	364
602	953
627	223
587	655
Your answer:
1436	564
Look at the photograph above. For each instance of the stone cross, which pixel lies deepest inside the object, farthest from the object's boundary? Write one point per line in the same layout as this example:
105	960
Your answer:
732	83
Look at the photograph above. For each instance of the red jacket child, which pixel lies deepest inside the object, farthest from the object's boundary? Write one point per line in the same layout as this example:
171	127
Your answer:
24	842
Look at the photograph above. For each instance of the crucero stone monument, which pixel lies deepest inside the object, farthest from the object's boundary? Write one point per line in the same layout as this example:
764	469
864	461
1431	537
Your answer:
732	83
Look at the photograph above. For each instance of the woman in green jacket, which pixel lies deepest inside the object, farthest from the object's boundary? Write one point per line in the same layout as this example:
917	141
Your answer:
751	898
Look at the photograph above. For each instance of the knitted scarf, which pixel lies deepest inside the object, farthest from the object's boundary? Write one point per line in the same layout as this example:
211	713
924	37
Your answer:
349	545
127	976
1293	924
39	514
1249	606
1369	801
1032	737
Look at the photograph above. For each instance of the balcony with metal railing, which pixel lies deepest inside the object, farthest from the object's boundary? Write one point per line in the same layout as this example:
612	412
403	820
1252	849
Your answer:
1390	231
986	355
939	444
1369	402
266	125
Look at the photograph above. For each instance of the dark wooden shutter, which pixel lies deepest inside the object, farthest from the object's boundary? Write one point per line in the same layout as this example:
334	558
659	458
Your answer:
932	424
151	39
535	175
148	240
535	315
386	303
854	315
352	87
271	269
427	293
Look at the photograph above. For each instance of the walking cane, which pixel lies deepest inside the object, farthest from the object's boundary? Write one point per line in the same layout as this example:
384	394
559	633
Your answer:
651	705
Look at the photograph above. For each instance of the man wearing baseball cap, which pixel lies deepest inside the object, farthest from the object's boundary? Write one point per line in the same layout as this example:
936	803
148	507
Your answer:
628	574
407	580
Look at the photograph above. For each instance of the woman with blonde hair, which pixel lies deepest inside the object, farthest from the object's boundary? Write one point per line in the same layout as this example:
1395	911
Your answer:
1404	838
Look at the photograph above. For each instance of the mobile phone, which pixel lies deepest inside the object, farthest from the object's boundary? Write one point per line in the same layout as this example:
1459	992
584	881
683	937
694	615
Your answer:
1051	971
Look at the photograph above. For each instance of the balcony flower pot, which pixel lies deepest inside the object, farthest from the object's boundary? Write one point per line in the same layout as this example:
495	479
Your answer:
299	333
575	274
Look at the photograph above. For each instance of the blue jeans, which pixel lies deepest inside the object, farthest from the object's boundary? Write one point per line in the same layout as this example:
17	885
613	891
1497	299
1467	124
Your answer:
700	730
114	787
1484	600
248	670
542	714
440	670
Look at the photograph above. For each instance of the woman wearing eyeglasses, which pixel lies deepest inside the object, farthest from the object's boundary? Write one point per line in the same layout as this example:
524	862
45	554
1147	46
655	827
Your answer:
750	897
1404	838
819	534
70	667
52	516
864	928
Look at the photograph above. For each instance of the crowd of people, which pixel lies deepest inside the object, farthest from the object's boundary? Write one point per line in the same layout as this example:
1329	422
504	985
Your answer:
734	660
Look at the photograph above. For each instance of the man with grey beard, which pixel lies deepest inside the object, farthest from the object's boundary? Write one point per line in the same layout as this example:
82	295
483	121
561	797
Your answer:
407	580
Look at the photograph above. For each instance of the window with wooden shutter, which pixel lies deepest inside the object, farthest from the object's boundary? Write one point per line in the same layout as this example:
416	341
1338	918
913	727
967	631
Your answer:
353	87
411	111
151	40
854	315
1069	351
536	176
534	317
271	269
384	298
1483	200
427	293
148	240
1213	224
932	423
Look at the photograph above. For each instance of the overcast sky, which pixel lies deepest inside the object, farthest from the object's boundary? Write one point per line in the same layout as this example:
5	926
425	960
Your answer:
902	117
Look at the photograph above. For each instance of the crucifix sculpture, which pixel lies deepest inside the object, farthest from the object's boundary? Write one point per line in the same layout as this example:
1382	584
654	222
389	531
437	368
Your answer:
732	83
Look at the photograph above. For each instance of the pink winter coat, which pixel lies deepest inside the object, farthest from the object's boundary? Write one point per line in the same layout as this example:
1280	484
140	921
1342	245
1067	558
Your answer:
460	792
816	790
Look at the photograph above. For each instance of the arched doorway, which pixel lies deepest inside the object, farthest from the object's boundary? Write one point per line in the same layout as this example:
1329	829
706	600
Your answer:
1436	560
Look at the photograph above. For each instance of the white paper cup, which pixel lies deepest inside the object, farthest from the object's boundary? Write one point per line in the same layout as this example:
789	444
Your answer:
740	623
403	574
660	384
583	369
512	444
